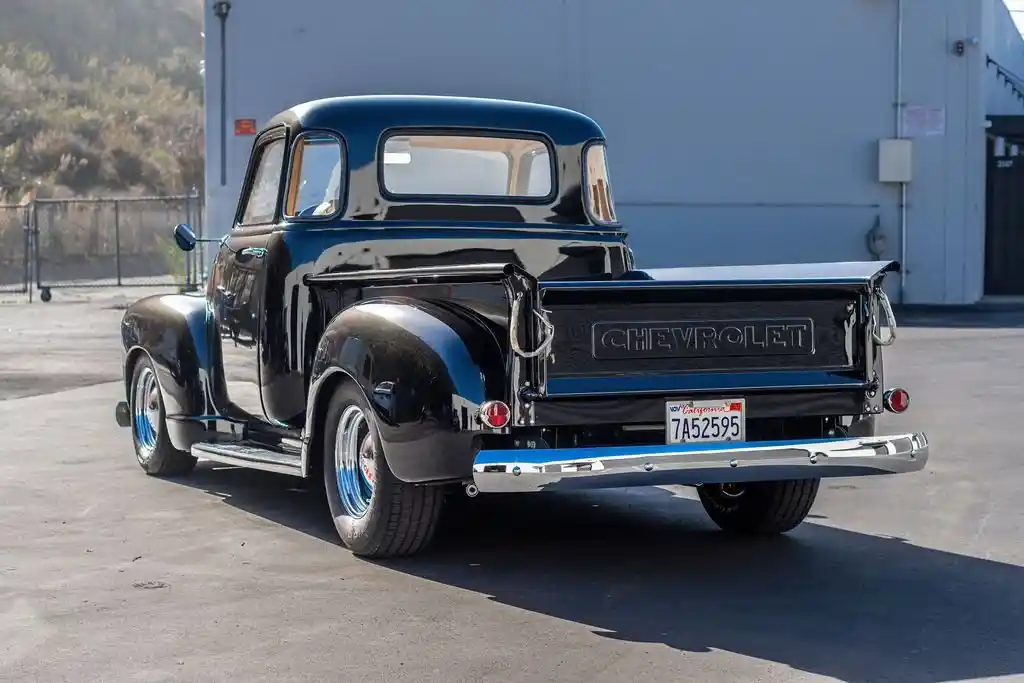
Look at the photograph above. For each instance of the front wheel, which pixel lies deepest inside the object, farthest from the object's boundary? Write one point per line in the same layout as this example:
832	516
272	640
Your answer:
375	514
153	449
768	507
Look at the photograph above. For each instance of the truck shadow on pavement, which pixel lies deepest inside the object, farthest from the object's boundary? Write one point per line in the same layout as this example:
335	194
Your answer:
645	566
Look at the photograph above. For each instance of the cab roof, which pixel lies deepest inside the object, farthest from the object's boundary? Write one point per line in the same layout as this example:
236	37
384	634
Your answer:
371	115
363	121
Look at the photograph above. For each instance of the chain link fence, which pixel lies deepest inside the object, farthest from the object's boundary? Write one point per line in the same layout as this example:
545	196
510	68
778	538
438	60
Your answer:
15	241
112	242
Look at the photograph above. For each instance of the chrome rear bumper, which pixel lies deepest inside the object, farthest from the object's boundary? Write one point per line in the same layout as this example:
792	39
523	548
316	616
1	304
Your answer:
511	471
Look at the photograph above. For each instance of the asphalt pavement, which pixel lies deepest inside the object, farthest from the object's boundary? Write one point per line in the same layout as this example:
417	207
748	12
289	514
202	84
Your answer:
231	575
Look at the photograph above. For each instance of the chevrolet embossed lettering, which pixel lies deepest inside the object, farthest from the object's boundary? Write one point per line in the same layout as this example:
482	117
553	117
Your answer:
702	338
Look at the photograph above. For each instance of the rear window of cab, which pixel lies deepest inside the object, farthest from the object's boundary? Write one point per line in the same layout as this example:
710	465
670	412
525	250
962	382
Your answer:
467	165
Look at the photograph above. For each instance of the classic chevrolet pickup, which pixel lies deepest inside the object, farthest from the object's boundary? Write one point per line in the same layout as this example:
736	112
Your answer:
427	294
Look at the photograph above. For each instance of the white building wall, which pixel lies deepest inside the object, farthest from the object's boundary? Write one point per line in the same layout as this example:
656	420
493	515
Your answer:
740	132
763	147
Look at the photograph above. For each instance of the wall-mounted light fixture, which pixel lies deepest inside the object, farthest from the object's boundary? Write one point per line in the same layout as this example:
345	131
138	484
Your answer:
960	46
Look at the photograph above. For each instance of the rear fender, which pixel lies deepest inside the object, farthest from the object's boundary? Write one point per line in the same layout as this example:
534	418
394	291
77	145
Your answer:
424	369
171	330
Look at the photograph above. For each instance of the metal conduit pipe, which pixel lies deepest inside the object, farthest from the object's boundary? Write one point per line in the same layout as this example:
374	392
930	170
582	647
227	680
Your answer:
899	134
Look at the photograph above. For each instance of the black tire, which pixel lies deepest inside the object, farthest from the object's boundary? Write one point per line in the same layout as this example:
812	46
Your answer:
153	449
45	294
770	507
399	519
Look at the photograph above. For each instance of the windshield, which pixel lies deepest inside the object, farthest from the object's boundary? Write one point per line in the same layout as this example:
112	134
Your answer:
467	166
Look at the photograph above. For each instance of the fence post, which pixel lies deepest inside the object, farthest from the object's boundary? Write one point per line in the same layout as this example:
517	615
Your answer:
117	239
26	228
188	254
200	232
36	270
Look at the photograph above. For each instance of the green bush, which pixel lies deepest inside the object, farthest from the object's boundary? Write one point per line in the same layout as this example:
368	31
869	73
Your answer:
175	258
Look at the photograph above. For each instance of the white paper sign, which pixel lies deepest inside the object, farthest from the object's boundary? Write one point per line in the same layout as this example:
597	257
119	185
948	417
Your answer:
921	121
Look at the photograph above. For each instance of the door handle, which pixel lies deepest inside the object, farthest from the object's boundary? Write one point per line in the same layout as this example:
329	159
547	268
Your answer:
255	252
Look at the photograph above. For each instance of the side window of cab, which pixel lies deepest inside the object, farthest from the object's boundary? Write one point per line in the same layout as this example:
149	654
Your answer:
597	186
261	205
316	178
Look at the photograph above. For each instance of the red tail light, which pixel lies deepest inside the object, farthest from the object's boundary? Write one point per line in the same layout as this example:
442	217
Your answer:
495	414
896	400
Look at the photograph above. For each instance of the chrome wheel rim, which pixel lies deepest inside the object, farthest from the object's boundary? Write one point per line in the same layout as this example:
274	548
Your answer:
146	413
353	461
731	490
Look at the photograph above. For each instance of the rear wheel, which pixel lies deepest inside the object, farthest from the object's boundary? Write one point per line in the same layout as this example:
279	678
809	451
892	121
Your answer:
153	449
769	507
375	514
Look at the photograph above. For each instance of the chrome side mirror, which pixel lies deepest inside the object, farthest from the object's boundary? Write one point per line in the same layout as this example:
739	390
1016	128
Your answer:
184	237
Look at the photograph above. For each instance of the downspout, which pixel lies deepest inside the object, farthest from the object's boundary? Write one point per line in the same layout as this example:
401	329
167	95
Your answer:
899	134
221	9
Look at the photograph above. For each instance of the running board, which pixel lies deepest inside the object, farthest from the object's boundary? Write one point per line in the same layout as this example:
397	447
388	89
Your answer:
253	457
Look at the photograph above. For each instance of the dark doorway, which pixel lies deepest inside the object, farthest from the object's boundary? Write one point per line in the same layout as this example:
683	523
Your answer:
1004	207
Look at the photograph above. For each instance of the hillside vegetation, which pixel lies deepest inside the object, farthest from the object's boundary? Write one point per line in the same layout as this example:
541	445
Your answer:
100	97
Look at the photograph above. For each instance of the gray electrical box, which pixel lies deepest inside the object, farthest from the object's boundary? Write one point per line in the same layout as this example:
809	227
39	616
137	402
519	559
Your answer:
895	160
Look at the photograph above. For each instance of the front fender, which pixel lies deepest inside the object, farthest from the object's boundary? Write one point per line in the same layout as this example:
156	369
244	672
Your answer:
171	329
424	369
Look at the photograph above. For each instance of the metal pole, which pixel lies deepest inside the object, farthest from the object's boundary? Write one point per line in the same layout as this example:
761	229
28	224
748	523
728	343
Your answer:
221	9
899	134
117	239
223	102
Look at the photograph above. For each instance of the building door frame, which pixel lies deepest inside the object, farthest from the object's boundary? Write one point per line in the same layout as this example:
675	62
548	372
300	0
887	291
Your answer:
1004	207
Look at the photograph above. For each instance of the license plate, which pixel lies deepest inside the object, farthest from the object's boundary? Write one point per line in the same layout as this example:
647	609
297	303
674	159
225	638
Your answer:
710	421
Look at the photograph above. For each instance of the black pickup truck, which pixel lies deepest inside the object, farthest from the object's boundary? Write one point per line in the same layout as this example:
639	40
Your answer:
422	295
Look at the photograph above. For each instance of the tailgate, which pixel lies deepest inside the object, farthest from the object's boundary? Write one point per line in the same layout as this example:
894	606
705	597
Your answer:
746	327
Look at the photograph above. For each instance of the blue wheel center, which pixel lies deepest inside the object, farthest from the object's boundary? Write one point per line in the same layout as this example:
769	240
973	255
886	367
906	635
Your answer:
146	411
353	461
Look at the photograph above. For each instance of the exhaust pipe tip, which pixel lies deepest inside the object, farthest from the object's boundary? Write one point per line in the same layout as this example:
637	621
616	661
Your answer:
122	414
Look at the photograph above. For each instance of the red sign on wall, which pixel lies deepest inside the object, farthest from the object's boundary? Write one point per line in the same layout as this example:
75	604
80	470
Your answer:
245	126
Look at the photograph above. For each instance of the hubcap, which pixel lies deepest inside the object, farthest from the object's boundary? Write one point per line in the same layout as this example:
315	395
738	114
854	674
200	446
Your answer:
353	461
146	413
